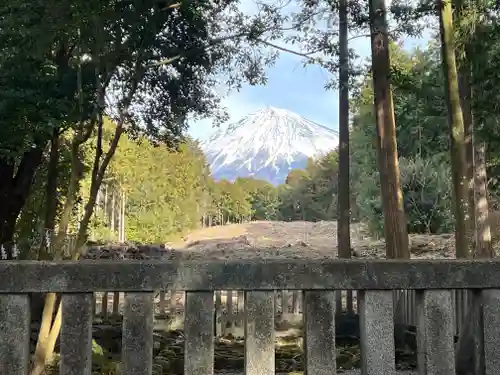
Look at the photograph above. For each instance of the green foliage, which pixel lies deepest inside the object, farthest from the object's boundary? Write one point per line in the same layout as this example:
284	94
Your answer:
310	194
232	202
35	97
169	191
96	348
30	226
427	192
262	196
423	146
161	67
422	135
423	141
149	68
165	189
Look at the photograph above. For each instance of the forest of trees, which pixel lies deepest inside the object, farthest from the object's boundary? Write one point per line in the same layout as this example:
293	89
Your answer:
423	146
160	200
96	96
80	148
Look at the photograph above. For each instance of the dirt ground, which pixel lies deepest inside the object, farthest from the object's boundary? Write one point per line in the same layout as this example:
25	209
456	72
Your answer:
285	240
298	239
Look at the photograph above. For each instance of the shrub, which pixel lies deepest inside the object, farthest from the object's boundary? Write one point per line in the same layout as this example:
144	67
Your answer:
427	192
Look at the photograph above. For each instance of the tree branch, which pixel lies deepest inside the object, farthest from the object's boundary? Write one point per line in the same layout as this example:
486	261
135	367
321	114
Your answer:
287	50
389	33
170	60
186	52
172	6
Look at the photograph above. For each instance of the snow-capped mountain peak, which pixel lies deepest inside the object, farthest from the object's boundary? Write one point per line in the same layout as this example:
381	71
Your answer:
267	144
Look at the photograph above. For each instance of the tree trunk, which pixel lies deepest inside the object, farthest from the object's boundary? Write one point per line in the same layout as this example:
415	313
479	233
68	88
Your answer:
122	220
476	224
343	199
483	233
76	176
6	173
44	351
343	232
466	353
120	217
465	90
41	349
38	310
47	344
106	208
457	131
15	191
465	357
51	200
466	96
395	229
113	209
99	170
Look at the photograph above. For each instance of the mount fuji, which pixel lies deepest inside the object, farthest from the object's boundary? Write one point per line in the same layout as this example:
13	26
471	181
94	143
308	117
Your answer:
266	145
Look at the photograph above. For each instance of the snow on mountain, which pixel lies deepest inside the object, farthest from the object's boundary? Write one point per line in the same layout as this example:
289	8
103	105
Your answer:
267	145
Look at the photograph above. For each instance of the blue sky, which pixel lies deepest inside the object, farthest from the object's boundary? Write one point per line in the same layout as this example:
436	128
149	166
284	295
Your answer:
290	86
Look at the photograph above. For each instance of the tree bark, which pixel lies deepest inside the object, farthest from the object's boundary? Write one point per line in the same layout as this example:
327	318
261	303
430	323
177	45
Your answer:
46	344
395	228
465	358
465	90
343	230
457	131
483	240
39	310
99	170
6	173
466	97
51	200
41	349
44	350
76	175
113	209
343	199
14	191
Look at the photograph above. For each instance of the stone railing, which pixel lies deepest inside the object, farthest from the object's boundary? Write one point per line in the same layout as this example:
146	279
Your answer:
374	280
288	308
169	307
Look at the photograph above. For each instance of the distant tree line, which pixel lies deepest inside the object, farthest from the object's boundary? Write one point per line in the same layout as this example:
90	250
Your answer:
162	192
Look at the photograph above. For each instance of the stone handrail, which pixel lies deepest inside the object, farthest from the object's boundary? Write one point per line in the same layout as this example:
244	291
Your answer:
374	279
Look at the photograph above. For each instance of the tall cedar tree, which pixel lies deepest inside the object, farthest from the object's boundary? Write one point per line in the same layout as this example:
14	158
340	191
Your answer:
457	131
343	232
464	72
395	230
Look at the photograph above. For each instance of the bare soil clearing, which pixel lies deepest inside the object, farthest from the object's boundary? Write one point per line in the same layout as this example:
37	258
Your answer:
281	240
298	239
